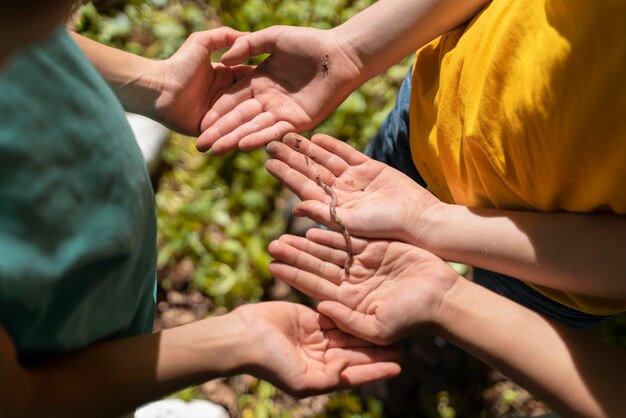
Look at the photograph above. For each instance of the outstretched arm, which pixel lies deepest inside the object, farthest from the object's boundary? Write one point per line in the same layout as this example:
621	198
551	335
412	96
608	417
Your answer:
288	344
395	290
578	253
577	375
310	71
176	92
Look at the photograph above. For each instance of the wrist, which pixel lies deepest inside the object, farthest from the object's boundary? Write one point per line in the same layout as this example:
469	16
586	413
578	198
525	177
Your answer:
141	85
217	346
425	224
452	309
351	52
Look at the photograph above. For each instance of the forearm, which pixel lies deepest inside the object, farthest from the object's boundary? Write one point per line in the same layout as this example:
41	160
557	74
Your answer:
135	80
112	378
578	253
389	30
575	374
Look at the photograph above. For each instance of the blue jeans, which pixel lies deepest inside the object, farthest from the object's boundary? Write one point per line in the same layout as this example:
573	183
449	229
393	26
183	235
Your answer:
391	146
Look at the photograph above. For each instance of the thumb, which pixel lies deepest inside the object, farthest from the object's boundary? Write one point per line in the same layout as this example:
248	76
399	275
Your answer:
250	45
352	322
215	39
316	211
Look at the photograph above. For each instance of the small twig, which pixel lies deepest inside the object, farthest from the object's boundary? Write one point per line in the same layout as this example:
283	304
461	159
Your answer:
339	222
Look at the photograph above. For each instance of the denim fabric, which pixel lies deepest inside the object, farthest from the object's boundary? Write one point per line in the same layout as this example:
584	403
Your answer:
525	295
391	145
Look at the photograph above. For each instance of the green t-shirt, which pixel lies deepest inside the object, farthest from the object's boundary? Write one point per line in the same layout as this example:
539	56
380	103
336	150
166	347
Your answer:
77	220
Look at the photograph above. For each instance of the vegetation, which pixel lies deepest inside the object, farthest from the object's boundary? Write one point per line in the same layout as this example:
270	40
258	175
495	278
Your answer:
217	215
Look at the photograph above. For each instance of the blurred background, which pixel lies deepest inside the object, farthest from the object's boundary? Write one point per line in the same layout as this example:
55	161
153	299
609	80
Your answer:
217	215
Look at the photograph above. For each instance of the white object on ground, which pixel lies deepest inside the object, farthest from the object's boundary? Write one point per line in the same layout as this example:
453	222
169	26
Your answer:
151	137
177	408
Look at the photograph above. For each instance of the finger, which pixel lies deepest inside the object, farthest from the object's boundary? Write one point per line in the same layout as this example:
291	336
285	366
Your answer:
340	149
265	136
298	183
356	323
226	77
235	73
305	262
339	339
253	140
250	45
368	373
364	355
215	39
335	164
260	121
303	164
308	283
325	323
241	71
224	130
336	240
237	94
329	254
316	211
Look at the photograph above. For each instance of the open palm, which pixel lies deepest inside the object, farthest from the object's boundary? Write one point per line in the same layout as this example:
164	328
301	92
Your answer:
305	78
191	83
393	289
304	353
374	200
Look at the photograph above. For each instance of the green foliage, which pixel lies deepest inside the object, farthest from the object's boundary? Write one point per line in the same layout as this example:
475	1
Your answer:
218	212
346	404
260	404
152	28
250	15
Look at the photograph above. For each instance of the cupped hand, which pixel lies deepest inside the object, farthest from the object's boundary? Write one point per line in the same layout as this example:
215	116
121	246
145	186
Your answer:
191	84
308	74
393	289
374	200
303	352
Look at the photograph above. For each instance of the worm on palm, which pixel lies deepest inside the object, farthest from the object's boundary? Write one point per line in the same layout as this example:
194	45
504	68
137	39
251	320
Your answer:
344	231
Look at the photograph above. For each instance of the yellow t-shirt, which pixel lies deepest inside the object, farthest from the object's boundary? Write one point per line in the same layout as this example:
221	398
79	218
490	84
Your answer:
524	108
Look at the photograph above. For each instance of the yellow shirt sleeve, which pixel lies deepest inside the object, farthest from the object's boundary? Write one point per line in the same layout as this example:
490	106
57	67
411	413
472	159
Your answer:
524	108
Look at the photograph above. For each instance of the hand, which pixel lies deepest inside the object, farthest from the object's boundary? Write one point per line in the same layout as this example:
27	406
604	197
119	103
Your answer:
308	74
303	353
374	200
190	84
393	290
294	347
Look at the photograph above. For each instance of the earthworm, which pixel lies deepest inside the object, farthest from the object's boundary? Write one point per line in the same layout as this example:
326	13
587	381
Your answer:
339	222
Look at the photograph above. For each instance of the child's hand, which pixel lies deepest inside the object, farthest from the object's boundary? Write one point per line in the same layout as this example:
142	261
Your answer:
303	352
308	74
393	290
188	83
374	200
